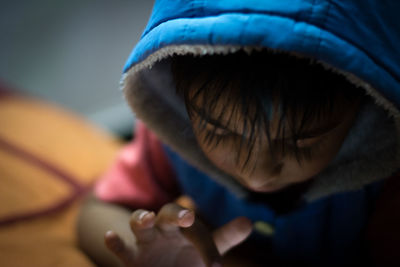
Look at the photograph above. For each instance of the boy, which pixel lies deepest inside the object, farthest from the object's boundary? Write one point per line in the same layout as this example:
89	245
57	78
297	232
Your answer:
267	129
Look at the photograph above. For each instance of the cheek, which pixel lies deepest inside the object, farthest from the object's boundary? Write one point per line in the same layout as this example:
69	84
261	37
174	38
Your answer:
293	172
222	158
308	169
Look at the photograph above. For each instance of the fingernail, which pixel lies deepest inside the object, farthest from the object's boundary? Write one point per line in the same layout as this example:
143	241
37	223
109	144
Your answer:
109	233
182	213
186	218
141	215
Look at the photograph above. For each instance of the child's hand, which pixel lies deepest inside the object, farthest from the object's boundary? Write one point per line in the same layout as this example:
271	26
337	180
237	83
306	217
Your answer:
175	238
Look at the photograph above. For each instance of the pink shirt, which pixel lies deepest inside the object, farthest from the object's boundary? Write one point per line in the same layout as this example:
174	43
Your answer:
141	176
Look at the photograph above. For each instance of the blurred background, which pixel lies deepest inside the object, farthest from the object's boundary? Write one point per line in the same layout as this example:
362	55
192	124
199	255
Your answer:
67	54
72	53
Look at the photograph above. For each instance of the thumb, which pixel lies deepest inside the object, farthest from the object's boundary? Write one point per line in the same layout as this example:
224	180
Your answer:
232	234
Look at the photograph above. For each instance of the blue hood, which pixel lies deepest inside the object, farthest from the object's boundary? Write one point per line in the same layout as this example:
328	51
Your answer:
357	38
361	37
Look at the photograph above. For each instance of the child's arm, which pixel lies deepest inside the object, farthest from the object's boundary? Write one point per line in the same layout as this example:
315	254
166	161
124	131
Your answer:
173	237
95	219
141	177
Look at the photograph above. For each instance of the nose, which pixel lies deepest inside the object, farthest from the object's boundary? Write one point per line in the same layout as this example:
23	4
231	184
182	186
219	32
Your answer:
264	176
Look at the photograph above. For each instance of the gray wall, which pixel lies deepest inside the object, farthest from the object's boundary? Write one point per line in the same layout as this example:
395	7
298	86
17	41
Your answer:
72	53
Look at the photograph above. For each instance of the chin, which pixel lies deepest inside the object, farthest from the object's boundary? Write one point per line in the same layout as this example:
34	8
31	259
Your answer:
267	189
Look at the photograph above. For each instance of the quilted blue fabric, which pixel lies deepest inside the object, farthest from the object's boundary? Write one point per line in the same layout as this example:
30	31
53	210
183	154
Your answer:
358	36
327	232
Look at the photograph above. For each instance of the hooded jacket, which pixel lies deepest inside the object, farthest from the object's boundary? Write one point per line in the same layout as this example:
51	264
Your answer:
357	39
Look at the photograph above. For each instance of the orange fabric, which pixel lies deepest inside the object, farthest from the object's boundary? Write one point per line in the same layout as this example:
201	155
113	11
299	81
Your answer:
45	241
48	158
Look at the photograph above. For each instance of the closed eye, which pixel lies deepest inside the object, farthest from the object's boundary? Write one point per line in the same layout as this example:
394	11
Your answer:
307	142
218	131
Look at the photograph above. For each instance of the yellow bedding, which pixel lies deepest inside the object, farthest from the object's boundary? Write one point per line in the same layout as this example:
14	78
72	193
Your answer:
49	158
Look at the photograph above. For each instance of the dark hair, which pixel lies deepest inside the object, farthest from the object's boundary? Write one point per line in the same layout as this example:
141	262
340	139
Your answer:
255	85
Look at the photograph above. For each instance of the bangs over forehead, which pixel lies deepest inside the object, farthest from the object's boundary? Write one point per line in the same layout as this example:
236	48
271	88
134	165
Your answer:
244	93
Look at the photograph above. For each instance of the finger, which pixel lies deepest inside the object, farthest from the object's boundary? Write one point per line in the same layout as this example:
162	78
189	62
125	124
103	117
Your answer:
118	247
202	239
232	234
172	216
142	225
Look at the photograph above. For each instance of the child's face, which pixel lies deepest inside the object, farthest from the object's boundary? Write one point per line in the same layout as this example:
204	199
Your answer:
267	173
